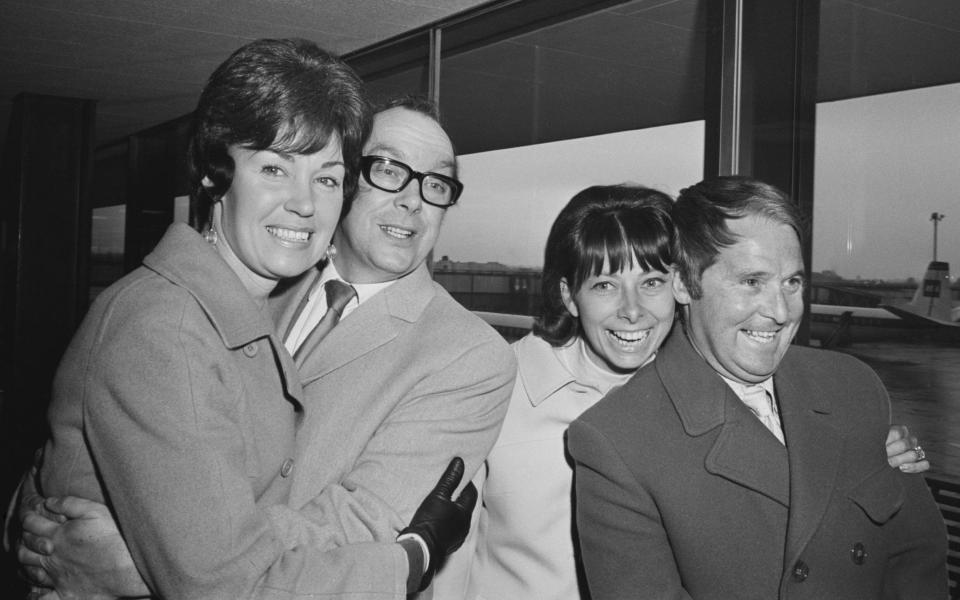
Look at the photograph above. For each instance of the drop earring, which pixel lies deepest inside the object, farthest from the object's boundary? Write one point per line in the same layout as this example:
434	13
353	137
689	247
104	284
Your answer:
211	236
331	251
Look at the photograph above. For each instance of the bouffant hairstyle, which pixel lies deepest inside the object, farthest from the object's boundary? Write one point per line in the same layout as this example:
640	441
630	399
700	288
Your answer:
285	95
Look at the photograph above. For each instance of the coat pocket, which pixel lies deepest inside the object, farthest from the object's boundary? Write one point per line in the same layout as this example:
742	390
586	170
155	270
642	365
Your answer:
880	495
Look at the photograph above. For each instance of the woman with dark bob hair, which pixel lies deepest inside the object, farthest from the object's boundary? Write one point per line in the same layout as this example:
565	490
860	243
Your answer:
176	404
608	305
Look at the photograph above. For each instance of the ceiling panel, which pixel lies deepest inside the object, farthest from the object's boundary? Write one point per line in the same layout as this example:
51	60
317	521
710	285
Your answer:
145	61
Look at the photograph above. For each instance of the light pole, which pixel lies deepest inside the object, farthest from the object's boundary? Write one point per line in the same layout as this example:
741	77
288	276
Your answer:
936	218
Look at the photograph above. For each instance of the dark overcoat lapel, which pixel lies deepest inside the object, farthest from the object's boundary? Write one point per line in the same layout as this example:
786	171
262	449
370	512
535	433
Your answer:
815	448
744	452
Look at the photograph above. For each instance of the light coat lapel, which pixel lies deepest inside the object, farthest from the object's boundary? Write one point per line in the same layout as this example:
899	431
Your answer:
373	324
815	449
290	298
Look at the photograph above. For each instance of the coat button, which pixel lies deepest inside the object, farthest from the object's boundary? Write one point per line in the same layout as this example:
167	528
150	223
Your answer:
858	554
286	468
800	571
250	349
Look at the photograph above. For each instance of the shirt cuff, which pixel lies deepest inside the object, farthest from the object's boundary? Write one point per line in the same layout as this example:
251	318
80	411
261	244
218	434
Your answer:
423	547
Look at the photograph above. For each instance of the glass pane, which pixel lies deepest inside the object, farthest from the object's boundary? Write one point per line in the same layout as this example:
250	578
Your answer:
887	150
412	80
181	209
106	247
633	66
400	68
612	97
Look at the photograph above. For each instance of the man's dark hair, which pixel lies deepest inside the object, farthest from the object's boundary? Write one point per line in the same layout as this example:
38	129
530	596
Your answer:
415	102
625	224
285	95
701	213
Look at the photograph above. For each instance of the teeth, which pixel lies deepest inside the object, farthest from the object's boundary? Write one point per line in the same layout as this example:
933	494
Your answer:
396	231
289	235
760	336
629	337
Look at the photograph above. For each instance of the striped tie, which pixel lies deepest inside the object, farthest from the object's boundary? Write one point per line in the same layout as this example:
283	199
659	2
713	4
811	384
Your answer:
339	294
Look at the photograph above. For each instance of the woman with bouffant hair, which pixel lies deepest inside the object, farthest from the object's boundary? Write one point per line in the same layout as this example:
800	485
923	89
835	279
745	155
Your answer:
176	405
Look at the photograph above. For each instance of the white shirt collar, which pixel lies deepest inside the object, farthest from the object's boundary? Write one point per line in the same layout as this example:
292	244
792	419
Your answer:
365	291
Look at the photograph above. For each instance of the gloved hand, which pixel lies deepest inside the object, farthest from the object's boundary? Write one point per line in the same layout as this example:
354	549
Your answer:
441	522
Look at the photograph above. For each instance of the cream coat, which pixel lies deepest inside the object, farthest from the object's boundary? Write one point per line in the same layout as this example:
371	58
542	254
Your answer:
522	543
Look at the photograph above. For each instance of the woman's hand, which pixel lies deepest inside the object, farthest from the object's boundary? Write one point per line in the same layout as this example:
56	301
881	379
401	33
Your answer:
904	451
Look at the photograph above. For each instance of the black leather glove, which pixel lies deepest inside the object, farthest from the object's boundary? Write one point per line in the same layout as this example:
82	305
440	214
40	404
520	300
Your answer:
442	522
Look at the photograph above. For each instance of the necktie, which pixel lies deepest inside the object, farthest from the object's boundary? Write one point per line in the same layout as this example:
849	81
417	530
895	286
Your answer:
338	295
759	402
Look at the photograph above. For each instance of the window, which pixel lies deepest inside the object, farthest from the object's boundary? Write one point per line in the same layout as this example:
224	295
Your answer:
609	97
887	150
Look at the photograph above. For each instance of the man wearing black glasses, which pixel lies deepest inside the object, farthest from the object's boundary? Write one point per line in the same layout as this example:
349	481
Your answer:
408	378
404	378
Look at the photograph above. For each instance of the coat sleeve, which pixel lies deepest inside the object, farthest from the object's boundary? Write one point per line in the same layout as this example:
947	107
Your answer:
623	544
161	421
456	409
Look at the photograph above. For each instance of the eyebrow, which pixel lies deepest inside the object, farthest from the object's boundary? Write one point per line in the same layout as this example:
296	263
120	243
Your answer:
289	157
401	156
754	274
284	155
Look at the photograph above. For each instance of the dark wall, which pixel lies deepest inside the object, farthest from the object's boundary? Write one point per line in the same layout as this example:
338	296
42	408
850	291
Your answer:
45	247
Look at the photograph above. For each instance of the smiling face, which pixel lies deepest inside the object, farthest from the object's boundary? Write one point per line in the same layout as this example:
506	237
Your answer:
751	302
387	235
278	215
624	316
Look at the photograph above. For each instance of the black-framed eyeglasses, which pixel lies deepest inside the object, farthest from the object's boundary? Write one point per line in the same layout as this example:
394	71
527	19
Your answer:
391	175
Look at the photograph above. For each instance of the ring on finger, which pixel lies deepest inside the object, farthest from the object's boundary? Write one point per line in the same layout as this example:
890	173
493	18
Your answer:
920	453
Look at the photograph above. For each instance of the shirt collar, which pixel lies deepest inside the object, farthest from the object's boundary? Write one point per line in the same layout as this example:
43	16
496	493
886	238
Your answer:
365	291
740	388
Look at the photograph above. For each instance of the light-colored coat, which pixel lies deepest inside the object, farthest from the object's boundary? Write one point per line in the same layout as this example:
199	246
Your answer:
400	386
682	493
521	544
176	405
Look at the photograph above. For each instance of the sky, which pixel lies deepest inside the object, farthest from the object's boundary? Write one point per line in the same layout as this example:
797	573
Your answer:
883	164
507	207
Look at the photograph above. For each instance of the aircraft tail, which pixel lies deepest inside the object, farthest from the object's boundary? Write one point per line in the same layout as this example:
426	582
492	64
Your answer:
932	298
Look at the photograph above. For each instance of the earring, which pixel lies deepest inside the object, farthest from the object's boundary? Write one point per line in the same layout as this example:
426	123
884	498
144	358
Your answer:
211	236
331	251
